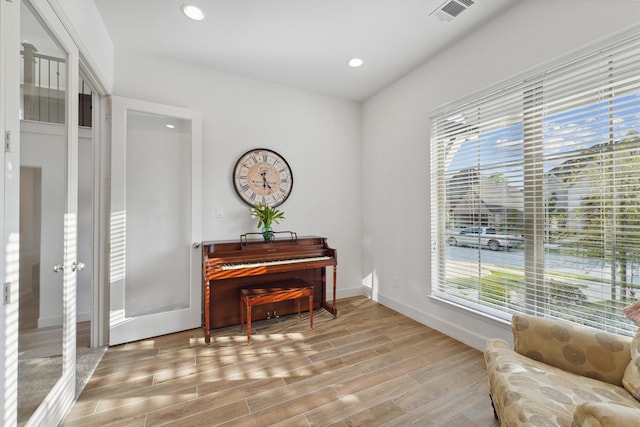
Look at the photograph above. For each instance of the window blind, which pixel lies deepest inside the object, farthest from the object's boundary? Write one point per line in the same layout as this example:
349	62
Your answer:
536	192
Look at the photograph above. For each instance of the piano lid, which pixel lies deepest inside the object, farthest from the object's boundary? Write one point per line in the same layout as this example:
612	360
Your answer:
234	248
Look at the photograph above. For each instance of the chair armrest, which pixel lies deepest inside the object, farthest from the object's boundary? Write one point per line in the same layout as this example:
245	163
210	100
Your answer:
598	414
571	347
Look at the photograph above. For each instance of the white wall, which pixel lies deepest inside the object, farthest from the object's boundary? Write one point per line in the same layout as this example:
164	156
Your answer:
318	135
396	133
85	25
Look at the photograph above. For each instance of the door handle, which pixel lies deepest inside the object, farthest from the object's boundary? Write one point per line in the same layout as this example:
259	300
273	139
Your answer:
76	266
196	245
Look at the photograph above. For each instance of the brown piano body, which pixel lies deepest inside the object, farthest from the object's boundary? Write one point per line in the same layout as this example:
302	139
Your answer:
229	266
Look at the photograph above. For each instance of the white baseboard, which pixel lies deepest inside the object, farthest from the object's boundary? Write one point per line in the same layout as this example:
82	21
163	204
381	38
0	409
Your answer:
472	338
46	322
349	292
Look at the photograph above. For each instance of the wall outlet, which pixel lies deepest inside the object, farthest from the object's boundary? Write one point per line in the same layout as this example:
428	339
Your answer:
219	212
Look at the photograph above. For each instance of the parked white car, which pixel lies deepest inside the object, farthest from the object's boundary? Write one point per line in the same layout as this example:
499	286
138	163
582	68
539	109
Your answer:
484	237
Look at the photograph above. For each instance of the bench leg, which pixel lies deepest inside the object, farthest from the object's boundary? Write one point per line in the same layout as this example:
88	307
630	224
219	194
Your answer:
242	305
311	310
249	323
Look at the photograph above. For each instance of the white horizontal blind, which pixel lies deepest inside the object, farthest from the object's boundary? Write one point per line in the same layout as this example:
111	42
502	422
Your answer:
536	190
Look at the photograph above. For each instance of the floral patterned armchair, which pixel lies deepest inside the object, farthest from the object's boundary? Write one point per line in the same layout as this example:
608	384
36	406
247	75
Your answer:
559	373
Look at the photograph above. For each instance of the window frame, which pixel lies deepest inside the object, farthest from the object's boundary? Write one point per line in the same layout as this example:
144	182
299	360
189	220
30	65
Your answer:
532	88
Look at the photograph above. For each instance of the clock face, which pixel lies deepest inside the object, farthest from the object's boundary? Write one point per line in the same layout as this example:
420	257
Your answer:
262	176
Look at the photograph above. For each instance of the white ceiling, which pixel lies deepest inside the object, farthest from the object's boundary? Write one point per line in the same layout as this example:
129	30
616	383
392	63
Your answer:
302	43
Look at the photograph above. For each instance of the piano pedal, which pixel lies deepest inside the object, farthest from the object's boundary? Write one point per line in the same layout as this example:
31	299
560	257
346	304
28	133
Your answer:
268	315
275	315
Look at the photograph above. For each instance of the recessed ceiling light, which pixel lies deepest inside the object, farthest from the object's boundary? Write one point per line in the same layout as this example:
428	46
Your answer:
170	126
193	12
355	62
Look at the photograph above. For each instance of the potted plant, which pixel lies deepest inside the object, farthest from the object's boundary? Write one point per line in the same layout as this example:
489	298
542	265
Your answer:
266	216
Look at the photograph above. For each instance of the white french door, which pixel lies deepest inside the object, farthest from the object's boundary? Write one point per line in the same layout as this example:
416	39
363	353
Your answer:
46	240
156	198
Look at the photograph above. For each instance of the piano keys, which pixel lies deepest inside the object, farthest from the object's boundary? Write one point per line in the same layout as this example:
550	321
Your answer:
274	262
229	266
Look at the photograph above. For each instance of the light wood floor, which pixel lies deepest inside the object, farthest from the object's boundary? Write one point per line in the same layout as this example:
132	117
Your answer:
370	366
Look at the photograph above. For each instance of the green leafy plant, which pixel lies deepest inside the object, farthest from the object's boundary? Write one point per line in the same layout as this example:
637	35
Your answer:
266	215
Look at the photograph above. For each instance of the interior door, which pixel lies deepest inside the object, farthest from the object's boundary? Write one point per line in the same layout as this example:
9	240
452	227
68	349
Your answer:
156	186
48	216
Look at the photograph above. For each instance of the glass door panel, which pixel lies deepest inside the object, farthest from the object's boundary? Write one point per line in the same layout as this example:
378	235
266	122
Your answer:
158	213
48	199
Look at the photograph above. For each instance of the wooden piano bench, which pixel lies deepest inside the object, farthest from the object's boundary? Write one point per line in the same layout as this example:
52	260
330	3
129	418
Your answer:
290	290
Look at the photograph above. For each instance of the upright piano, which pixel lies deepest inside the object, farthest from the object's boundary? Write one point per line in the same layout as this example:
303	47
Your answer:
229	266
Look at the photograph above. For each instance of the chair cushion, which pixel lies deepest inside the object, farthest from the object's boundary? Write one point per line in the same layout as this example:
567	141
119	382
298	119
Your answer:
579	349
631	378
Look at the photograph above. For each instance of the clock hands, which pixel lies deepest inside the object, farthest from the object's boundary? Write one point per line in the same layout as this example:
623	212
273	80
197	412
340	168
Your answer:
265	184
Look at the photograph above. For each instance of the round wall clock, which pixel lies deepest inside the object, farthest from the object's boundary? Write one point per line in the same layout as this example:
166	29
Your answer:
262	176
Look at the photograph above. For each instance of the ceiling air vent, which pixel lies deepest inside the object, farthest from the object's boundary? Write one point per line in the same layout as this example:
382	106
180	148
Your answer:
451	9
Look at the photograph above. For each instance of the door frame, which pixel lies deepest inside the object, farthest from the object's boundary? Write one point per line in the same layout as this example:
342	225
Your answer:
100	127
9	263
